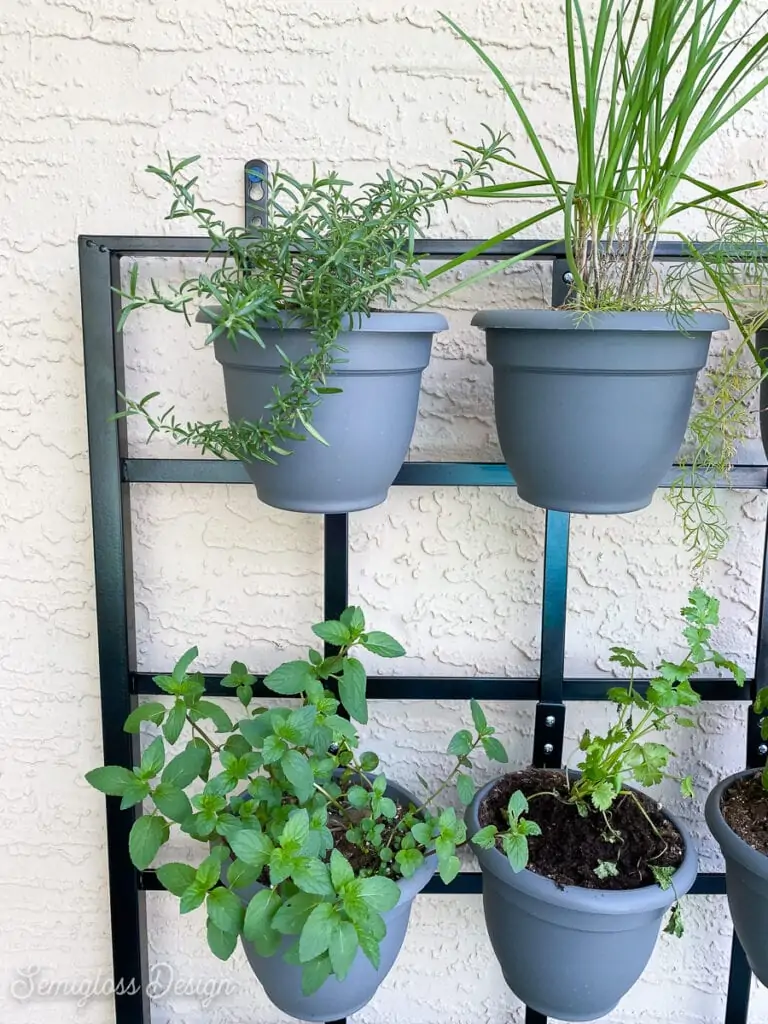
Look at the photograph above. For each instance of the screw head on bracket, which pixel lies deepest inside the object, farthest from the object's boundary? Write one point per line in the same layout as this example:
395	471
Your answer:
762	750
549	721
548	749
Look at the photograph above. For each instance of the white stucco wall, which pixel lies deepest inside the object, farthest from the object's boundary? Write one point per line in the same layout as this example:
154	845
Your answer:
90	92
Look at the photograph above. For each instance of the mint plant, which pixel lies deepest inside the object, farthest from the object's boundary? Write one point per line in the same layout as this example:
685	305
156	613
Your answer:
283	797
631	750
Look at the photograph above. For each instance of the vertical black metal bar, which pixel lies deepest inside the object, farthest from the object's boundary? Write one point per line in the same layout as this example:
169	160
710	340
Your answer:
550	712
256	193
534	1017
740	975
99	272
561	282
739	986
336	559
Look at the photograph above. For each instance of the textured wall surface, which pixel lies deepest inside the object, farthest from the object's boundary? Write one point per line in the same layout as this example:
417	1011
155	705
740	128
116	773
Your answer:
89	94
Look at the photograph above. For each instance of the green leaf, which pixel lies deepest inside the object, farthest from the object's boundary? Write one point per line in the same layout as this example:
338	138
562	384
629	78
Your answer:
358	797
182	665
298	771
258	917
204	753
252	847
152	759
380	893
312	876
517	805
209	872
296	831
206	709
686	787
291	917
422	833
112	780
333	632
273	749
603	796
449	868
626	658
761	701
315	974
134	794
316	934
460	744
291	678
352	686
409	861
147	836
341	870
478	716
221	943
353	619
486	837
225	910
494	749
241	875
343	948
174	723
175	877
172	802
152	711
663	877
193	898
675	925
185	767
606	869
382	644
369	761
655	759
516	848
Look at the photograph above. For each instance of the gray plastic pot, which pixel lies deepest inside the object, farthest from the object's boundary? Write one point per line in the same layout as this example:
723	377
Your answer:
368	426
335	999
746	881
591	410
571	953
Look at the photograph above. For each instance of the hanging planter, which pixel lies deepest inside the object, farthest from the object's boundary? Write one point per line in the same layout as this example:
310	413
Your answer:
322	377
313	858
366	428
591	409
585	427
579	868
282	981
567	951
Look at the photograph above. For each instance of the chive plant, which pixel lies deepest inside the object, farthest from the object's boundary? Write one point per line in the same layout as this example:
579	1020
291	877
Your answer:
652	82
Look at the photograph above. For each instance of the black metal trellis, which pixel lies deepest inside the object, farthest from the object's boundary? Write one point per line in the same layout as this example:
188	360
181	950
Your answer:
113	473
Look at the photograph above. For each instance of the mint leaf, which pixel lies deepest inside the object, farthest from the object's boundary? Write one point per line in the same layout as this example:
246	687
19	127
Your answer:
112	780
225	910
291	678
176	878
352	686
342	948
382	644
333	632
298	772
146	837
461	743
317	931
152	711
220	942
380	893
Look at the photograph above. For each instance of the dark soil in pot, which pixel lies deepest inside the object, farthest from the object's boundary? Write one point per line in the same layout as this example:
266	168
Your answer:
571	846
745	808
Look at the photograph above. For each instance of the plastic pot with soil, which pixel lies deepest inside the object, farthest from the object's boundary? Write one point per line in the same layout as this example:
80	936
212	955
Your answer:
737	815
575	929
579	867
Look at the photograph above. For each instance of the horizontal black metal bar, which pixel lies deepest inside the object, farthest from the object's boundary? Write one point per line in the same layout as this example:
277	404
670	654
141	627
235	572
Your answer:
465	687
439	248
388	687
471	883
412	474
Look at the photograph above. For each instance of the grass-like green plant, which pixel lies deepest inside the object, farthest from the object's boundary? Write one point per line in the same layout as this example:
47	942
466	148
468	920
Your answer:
329	254
652	82
630	751
273	795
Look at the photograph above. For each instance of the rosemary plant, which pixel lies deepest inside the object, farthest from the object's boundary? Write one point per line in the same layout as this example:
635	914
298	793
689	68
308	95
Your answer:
652	82
328	255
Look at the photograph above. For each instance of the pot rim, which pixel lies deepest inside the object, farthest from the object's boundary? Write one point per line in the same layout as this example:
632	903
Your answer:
637	321
738	848
614	902
391	321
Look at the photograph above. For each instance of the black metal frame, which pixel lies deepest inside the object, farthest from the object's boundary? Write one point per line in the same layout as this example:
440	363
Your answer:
113	472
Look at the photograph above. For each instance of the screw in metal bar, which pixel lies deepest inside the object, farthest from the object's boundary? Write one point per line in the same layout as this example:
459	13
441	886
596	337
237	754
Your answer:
568	278
762	750
548	749
549	721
